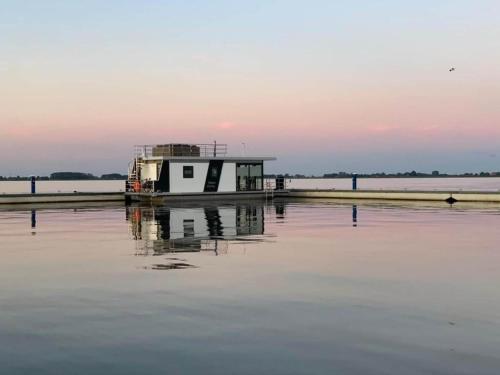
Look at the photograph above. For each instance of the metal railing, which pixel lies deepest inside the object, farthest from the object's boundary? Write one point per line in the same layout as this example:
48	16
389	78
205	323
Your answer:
273	184
181	149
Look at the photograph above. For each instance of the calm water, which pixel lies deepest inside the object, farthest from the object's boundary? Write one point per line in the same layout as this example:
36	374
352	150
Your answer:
477	184
285	288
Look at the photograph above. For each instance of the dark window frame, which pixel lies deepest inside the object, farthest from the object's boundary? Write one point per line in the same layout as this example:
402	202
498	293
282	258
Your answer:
187	171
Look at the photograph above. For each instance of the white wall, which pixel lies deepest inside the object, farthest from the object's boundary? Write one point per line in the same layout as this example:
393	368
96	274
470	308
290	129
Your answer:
179	184
149	171
228	177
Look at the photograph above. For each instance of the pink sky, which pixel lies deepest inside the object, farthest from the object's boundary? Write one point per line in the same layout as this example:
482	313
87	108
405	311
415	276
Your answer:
334	92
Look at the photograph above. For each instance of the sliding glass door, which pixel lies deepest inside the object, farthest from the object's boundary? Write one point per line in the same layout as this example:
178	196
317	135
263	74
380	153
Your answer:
249	177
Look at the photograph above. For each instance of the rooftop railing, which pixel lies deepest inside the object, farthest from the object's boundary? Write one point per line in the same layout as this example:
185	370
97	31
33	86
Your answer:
181	149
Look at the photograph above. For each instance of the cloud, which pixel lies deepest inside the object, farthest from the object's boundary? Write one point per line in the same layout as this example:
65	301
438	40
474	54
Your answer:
225	125
383	128
425	130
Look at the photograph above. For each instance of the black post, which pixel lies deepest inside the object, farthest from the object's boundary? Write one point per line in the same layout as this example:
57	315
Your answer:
280	182
33	184
354	181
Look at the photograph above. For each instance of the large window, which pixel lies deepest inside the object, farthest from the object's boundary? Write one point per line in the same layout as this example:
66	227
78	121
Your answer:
187	171
249	177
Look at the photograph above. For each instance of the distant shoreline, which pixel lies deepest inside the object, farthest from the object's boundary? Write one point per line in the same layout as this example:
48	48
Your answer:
363	176
82	176
45	178
378	176
63	179
70	176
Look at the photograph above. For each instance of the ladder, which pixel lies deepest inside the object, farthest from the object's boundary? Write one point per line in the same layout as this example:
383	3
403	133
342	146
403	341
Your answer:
269	188
133	173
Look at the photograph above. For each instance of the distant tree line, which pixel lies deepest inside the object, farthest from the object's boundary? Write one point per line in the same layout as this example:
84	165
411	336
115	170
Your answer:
69	176
387	175
118	176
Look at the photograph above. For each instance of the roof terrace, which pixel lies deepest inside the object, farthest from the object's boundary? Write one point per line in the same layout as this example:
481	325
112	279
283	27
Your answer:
181	150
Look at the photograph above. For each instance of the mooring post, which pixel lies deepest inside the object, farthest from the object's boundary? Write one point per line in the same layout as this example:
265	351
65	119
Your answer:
33	184
354	181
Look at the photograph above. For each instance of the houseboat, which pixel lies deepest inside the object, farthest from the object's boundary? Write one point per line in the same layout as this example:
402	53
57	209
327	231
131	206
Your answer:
191	171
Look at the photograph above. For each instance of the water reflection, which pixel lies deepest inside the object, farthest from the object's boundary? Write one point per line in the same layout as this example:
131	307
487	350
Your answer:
33	222
280	211
162	230
171	266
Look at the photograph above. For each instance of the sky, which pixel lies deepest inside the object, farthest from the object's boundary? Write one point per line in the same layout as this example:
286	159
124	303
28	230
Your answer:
326	86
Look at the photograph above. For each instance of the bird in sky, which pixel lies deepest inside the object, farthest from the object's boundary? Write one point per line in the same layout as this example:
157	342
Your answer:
452	69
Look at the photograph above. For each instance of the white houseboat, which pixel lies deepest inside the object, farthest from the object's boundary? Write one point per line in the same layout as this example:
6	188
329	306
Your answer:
193	170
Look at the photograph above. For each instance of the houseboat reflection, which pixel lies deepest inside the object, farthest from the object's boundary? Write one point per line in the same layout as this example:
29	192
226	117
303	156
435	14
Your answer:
161	230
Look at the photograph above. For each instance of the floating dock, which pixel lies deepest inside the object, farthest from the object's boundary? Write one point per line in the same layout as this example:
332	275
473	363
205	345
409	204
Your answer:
400	195
389	195
61	198
161	198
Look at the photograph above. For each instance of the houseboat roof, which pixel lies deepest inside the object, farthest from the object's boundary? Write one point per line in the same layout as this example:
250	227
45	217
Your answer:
192	152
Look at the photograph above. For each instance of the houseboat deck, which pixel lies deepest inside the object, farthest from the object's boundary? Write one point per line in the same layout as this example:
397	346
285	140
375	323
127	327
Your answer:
151	197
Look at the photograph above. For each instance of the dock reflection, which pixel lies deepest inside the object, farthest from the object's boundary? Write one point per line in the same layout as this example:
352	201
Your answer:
354	215
33	222
163	230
